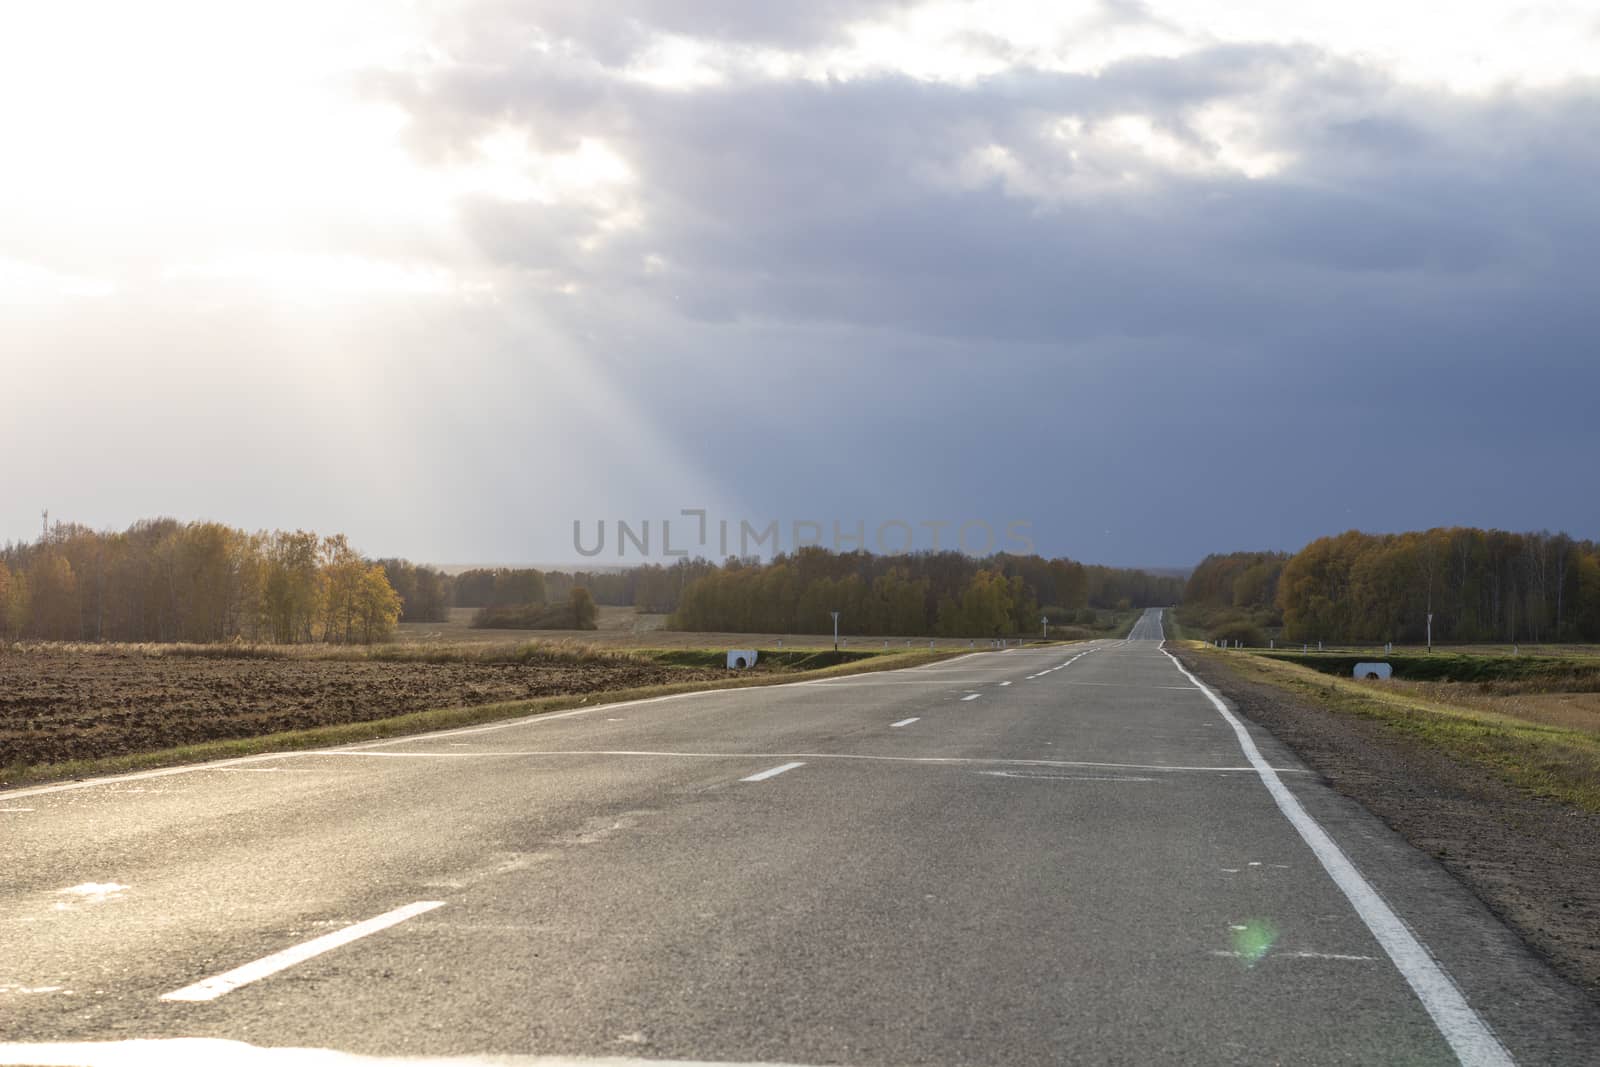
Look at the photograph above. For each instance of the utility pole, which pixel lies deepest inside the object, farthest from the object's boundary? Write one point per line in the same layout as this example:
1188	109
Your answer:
835	615
44	526
1430	631
1045	619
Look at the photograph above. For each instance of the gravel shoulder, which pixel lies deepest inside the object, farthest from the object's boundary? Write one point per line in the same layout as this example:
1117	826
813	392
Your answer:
1535	863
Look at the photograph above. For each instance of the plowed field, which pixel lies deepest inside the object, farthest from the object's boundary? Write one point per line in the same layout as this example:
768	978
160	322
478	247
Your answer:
74	703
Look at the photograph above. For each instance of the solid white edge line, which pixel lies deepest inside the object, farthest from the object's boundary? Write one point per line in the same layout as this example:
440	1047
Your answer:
905	722
773	772
226	982
1469	1037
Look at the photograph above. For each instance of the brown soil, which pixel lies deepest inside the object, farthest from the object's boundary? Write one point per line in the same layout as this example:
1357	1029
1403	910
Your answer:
1535	863
60	704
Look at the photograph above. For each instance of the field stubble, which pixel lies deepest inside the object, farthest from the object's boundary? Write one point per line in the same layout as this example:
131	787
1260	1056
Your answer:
61	703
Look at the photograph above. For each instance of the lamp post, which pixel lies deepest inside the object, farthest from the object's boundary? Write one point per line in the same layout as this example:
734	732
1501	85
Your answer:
1045	621
835	615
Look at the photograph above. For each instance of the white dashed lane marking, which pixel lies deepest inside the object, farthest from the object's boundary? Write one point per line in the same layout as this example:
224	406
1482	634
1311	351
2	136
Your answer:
226	982
773	772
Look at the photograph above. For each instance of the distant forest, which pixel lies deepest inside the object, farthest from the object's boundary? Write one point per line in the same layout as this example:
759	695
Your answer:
944	593
162	580
1479	585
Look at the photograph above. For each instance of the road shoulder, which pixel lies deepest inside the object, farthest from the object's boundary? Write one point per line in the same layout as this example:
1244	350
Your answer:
1531	861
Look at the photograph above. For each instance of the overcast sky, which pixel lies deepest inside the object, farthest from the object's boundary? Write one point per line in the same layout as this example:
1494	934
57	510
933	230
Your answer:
1159	279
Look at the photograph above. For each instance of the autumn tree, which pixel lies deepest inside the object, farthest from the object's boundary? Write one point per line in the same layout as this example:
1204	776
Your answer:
377	605
54	586
584	611
292	586
10	594
424	592
1586	609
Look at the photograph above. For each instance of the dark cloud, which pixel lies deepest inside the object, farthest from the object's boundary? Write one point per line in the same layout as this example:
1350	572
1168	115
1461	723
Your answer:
1369	335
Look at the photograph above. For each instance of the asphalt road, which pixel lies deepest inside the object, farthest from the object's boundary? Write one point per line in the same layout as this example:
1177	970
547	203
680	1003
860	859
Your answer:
1063	855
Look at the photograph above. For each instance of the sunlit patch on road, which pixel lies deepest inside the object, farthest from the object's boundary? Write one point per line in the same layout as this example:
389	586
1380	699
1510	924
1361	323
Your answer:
89	893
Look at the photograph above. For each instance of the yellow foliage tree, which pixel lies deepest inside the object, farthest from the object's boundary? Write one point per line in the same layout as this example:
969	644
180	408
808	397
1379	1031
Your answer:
291	586
54	586
5	603
377	605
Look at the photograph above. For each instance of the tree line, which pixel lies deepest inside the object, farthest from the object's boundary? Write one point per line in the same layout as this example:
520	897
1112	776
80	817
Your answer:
1234	596
426	594
162	580
917	594
649	587
576	612
1479	585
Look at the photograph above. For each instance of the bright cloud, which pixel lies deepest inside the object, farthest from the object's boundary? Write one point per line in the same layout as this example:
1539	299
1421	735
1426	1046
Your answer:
482	236
24	283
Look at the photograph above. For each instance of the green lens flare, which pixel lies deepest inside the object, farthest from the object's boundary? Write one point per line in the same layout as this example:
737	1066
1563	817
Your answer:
1254	939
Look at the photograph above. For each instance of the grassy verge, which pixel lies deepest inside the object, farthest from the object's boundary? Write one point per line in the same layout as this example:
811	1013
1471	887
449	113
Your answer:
786	659
1547	761
449	718
1534	674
